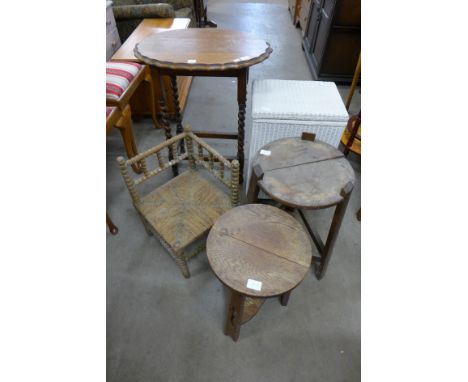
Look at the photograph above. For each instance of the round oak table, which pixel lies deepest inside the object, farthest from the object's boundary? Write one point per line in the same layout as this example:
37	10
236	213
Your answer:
209	53
301	173
257	251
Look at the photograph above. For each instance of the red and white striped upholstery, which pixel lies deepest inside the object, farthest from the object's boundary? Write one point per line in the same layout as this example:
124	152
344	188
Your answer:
118	76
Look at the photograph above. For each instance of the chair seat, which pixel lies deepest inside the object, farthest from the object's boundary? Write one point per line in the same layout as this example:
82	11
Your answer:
119	75
186	207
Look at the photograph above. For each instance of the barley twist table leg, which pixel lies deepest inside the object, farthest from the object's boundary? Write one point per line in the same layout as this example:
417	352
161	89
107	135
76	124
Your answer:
241	101
164	120
178	115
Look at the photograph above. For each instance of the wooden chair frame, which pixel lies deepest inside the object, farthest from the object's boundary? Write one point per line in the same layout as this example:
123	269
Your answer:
110	224
143	75
209	162
351	134
122	120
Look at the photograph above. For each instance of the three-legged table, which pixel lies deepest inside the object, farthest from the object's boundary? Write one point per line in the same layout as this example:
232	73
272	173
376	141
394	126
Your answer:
257	251
301	173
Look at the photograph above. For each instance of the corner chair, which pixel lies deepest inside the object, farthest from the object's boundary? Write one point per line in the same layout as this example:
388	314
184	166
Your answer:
185	208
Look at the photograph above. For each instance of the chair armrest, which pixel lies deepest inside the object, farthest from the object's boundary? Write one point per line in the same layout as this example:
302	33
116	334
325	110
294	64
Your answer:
142	11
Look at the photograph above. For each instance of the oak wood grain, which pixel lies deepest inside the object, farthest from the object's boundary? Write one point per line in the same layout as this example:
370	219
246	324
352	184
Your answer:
304	174
262	243
251	307
202	49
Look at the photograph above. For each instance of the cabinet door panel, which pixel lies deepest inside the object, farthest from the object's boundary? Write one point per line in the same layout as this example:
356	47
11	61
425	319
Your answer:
324	22
348	13
304	15
314	21
342	54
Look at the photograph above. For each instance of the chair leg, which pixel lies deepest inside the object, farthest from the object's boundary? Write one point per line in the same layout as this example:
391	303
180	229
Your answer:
182	264
149	81
110	224
145	224
124	124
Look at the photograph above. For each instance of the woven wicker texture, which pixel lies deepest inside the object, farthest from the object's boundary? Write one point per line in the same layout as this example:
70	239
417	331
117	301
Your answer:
186	207
301	100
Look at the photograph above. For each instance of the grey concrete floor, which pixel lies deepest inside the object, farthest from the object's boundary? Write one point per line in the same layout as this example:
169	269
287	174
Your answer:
162	327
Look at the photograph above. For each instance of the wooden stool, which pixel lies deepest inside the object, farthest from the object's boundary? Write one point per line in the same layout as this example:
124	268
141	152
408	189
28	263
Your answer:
305	174
257	251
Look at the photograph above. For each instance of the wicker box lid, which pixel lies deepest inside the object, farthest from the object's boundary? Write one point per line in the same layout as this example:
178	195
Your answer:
297	100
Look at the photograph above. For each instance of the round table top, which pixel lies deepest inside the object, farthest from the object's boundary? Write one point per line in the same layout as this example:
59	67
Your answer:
304	174
202	49
260	243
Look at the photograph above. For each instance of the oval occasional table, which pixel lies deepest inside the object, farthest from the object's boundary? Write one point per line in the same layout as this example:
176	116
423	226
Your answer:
302	174
257	251
209	53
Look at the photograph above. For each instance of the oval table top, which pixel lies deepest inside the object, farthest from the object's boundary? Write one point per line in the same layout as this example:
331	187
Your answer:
202	49
261	243
304	174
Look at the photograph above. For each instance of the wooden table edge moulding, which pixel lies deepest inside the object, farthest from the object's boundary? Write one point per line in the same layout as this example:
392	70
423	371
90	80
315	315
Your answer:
257	243
125	53
275	187
209	53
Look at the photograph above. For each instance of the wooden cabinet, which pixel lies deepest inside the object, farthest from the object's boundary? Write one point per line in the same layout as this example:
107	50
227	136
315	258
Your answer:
294	7
332	38
112	36
304	14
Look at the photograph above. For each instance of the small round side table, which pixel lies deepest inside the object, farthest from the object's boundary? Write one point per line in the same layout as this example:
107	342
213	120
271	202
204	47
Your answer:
208	53
301	173
257	251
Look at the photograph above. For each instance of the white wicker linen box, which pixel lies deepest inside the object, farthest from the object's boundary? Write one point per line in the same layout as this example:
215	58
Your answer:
284	108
